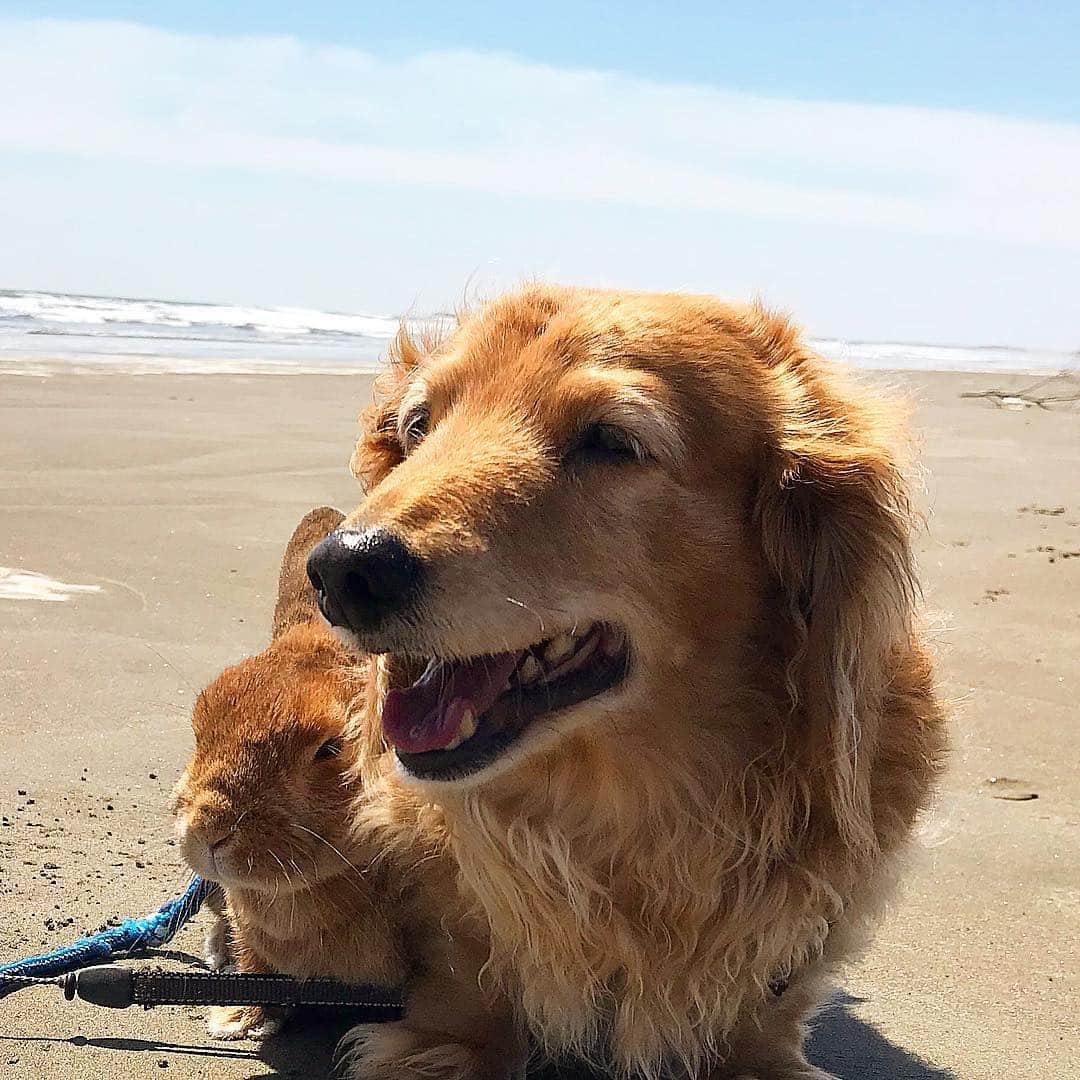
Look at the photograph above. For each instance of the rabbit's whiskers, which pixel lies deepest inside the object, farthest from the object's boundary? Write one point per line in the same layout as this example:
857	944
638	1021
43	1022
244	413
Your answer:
337	851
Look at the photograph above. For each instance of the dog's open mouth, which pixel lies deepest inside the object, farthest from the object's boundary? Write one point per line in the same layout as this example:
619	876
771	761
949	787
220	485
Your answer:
460	715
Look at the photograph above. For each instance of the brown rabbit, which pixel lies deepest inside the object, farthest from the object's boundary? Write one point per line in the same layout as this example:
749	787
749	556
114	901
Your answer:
266	807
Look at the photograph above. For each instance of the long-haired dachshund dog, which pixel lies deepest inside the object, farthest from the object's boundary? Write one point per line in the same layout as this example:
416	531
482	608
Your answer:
638	569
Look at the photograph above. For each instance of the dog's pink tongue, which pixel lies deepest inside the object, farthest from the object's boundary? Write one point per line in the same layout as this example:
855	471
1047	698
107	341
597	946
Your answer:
428	715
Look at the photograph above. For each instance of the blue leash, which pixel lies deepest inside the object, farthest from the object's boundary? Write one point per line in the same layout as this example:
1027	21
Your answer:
132	934
83	970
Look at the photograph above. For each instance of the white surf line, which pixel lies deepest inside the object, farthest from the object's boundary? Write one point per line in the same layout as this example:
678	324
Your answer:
28	585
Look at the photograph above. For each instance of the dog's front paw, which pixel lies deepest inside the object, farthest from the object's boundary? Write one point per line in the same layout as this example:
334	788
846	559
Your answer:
230	1022
784	1072
396	1052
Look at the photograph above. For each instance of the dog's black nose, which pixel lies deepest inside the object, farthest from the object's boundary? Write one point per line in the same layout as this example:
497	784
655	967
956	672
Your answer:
362	578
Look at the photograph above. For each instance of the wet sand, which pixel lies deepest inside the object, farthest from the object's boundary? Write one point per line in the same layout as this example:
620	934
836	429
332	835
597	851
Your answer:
174	495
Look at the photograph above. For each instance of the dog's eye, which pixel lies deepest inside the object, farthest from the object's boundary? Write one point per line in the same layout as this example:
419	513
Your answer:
605	442
329	749
414	425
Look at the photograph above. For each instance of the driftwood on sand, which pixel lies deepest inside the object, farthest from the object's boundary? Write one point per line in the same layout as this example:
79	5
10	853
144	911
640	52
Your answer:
1064	387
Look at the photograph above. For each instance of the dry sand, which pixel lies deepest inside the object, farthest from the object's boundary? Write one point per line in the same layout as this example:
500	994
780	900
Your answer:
174	495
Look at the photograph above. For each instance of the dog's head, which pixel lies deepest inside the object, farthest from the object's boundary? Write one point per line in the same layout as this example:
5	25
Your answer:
590	513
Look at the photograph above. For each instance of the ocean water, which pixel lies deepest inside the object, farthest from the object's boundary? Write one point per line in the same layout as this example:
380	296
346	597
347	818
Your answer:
42	332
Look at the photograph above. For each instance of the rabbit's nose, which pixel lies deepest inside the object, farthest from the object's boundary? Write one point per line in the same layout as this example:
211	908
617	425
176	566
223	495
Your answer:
213	834
363	578
205	841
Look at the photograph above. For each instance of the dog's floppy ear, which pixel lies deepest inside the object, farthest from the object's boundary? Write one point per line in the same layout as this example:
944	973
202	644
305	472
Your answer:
378	448
833	513
296	601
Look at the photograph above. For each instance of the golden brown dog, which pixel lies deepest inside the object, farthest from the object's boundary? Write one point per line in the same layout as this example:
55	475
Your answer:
639	568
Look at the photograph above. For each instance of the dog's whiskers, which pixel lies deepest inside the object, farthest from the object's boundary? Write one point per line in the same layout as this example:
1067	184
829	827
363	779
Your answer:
525	607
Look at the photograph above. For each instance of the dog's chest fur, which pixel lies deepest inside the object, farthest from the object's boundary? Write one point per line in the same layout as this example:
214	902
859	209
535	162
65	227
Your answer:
645	927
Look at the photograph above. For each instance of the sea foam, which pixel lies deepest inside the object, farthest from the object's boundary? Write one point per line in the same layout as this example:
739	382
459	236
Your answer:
42	332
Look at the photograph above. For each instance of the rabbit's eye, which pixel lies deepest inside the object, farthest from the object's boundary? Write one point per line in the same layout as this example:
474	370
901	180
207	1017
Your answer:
329	749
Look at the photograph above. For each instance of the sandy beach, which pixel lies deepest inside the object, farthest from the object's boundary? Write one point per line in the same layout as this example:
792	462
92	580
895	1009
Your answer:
166	500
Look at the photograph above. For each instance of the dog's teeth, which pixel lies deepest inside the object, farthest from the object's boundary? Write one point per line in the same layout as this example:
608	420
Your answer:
530	670
468	724
559	648
466	730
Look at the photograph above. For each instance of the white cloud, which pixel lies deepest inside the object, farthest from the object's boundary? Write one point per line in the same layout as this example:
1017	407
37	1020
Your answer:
501	125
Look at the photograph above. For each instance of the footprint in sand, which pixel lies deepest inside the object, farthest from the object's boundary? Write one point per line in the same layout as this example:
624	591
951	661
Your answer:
1053	554
28	585
1042	511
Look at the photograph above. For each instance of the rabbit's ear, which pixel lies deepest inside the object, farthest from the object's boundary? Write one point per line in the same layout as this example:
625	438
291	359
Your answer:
296	602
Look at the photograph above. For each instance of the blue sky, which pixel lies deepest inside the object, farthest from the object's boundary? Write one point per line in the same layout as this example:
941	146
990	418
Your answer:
909	170
1017	58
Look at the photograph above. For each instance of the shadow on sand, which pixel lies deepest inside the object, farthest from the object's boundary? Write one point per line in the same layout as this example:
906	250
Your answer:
842	1044
852	1049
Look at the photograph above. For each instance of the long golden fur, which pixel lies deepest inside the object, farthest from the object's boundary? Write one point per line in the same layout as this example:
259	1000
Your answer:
653	860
